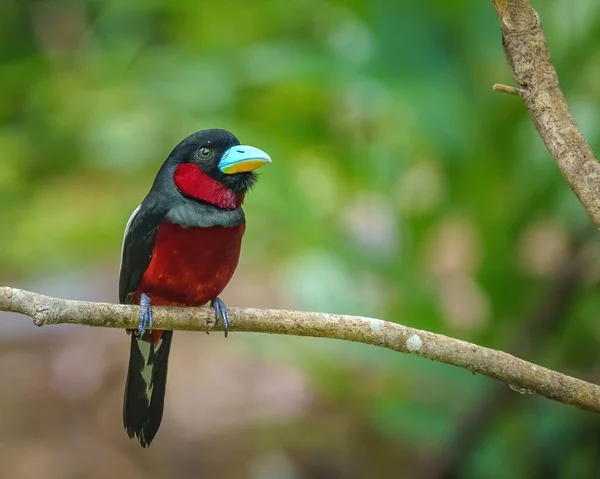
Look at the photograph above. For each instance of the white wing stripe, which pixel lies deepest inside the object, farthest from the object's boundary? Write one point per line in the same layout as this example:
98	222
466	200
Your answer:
127	232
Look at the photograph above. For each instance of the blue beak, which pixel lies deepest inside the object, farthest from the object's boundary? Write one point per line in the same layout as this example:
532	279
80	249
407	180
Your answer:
242	158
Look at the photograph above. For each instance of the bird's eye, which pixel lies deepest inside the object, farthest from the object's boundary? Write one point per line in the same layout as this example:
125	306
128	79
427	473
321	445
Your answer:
204	152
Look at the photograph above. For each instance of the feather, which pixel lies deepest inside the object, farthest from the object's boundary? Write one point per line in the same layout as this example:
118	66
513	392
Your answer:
146	385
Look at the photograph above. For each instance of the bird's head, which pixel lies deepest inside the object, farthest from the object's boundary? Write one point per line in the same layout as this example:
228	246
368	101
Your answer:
212	166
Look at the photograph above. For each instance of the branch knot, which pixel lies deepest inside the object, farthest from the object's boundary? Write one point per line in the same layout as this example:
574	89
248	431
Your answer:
41	315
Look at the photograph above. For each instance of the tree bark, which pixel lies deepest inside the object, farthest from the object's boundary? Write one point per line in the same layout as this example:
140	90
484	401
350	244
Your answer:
529	59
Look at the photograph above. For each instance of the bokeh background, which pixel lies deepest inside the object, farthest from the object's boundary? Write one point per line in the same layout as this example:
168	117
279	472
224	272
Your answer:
402	188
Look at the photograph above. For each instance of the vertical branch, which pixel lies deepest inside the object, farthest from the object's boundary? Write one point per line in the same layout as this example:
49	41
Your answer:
529	59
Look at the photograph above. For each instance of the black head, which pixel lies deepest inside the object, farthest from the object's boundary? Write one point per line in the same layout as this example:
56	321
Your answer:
213	152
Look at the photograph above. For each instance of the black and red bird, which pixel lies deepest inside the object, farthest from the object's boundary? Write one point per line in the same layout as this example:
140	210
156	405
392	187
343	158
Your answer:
181	247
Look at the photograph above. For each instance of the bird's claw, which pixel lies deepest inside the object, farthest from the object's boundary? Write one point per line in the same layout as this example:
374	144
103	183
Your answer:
220	313
145	323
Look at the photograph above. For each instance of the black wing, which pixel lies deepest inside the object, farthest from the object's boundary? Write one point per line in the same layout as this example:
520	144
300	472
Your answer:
138	241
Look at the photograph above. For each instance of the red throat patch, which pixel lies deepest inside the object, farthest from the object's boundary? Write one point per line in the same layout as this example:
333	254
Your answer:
194	183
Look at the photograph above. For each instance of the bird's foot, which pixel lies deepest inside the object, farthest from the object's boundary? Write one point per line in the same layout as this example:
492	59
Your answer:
145	323
220	313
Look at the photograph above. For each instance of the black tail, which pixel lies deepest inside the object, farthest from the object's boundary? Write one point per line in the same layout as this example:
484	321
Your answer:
146	384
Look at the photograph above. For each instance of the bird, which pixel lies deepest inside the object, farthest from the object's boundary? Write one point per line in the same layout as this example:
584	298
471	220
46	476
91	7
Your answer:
181	247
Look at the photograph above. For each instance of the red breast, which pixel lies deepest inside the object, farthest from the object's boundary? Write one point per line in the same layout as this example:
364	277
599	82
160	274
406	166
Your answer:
191	266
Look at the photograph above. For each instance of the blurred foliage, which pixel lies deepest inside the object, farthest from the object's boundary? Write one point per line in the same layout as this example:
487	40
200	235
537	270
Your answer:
402	186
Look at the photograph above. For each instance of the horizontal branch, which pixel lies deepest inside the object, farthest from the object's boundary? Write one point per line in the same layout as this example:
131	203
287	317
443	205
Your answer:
522	376
529	59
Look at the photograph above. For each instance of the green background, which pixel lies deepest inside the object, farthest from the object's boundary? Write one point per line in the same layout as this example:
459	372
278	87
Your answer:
402	187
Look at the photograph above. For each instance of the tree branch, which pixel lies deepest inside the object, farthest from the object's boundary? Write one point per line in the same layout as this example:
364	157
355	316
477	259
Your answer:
527	53
511	90
521	375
